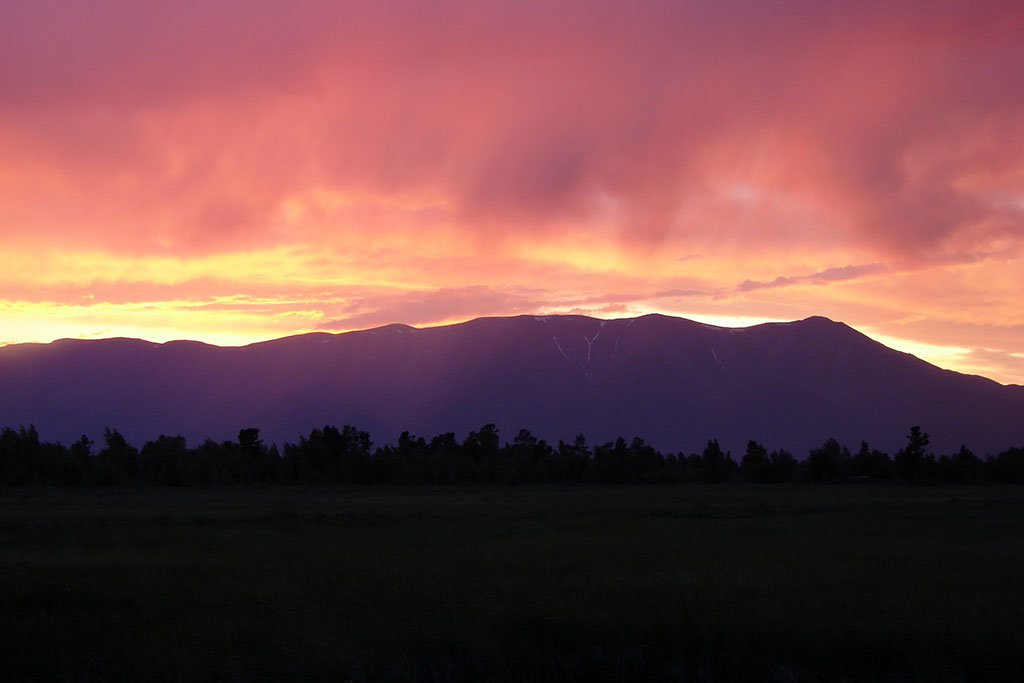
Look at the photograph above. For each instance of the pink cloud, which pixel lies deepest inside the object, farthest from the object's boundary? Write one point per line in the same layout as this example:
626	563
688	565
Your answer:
824	277
521	116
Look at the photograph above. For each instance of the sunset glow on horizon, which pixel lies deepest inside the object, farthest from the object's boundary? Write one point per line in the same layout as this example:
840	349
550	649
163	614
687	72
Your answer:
235	171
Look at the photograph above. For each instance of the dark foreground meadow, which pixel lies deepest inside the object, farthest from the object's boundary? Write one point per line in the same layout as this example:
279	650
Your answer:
733	583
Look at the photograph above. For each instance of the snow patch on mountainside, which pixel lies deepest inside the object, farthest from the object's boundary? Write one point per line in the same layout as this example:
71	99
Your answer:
559	346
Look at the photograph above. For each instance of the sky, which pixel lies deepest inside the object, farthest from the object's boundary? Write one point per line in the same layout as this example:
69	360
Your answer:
234	171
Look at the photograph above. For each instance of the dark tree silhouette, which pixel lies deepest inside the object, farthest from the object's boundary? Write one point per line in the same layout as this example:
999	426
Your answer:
829	464
346	456
910	461
717	466
965	466
118	461
784	466
871	463
755	466
164	462
1008	466
571	460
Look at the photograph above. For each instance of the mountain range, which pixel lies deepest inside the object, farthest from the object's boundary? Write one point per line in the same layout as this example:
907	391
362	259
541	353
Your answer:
674	382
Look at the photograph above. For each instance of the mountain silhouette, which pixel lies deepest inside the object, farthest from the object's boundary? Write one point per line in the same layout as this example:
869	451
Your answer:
674	382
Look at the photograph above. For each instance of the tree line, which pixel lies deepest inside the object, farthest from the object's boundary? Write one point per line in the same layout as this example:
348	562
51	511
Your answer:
347	456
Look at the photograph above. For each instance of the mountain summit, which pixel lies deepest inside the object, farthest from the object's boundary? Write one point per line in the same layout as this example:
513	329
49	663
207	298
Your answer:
672	381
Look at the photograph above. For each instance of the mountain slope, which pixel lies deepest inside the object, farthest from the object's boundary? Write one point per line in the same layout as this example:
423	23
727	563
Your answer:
672	381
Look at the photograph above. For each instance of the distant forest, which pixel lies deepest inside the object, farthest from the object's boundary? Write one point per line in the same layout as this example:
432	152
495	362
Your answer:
347	456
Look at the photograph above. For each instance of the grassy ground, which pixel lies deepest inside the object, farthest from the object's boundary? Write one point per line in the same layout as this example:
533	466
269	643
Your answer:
586	584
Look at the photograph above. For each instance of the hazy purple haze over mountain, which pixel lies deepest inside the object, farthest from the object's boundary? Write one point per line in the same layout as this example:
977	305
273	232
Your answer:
674	382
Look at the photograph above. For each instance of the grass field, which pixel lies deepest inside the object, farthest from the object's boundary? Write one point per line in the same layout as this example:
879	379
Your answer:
588	584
